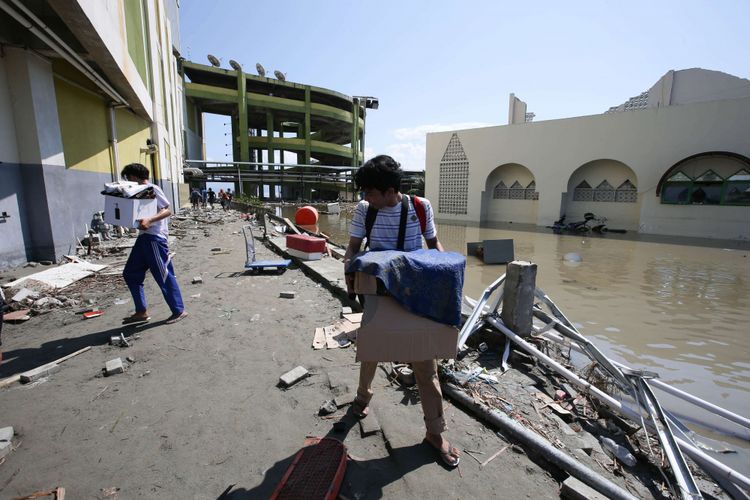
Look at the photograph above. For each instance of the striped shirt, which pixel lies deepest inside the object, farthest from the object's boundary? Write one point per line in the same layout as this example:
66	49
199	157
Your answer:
384	234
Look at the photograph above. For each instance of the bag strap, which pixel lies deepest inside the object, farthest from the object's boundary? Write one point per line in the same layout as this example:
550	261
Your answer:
402	222
372	214
421	214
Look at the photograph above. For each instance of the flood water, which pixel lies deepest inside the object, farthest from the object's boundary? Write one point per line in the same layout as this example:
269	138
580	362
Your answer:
680	310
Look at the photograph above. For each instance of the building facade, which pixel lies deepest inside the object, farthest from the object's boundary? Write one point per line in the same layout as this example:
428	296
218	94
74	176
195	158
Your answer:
86	87
674	160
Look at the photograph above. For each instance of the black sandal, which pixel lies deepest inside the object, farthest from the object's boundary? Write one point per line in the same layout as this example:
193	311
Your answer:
360	409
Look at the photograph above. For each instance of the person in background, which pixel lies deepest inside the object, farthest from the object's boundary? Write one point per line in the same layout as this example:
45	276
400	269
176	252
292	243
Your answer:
195	198
380	181
224	196
151	252
211	197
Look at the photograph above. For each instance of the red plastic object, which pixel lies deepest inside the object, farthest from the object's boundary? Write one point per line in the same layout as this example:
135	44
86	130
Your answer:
305	243
306	215
91	314
316	472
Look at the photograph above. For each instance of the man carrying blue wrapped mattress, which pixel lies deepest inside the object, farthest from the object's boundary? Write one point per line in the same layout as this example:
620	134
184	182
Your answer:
394	221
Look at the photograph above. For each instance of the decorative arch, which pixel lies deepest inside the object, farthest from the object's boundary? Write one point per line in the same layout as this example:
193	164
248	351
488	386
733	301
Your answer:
510	195
680	165
606	187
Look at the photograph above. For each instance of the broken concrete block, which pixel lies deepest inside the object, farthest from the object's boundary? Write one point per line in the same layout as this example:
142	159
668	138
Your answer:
197	280
25	293
47	302
344	400
327	408
114	366
293	376
287	295
6	434
370	425
576	490
37	373
5	448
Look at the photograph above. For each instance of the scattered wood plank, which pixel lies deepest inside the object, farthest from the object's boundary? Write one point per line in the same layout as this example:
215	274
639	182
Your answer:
30	375
494	455
291	225
319	340
20	315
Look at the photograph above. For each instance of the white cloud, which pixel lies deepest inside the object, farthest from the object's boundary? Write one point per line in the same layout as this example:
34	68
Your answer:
420	131
410	150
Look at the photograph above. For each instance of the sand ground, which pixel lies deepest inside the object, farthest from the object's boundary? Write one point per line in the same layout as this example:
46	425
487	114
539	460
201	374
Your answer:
199	408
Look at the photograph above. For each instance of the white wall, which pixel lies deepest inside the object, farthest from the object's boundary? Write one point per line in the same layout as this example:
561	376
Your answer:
649	141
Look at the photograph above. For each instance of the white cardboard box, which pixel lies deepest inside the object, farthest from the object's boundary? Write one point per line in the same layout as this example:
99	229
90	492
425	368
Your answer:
304	255
127	212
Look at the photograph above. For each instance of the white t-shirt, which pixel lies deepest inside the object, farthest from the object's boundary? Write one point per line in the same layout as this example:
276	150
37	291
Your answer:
384	234
161	227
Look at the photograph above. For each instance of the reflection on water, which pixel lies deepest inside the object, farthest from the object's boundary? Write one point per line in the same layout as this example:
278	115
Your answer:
682	311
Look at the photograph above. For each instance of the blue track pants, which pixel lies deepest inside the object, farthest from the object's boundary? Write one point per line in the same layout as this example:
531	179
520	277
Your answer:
151	252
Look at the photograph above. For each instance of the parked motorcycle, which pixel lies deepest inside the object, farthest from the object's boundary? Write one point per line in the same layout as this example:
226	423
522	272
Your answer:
590	223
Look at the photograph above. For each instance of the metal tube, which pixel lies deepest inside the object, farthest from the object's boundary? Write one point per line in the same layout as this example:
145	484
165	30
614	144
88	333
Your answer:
113	140
699	456
539	445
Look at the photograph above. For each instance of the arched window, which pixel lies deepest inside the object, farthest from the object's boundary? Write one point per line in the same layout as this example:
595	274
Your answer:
583	192
516	191
737	190
626	193
676	189
500	192
530	192
707	189
604	192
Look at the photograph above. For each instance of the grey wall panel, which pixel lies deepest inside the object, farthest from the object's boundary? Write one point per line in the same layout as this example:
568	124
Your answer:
13	230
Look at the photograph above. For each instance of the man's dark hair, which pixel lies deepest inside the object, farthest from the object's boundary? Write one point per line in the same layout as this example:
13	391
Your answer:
136	170
381	173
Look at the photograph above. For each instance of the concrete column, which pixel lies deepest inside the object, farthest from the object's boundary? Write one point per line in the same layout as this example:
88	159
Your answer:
518	297
40	153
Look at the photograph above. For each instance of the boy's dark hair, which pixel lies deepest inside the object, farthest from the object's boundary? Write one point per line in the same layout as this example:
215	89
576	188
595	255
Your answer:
381	173
136	170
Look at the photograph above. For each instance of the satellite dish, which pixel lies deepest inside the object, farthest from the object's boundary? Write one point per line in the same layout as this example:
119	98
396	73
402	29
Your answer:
214	61
234	64
260	69
281	76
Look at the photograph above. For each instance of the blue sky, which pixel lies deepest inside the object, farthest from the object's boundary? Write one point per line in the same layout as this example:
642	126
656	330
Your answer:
442	65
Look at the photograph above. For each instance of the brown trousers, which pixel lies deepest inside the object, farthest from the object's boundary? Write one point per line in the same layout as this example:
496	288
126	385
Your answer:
425	372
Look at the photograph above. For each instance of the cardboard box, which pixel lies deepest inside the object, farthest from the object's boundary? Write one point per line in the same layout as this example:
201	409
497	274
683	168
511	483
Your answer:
305	243
389	332
304	255
365	284
127	212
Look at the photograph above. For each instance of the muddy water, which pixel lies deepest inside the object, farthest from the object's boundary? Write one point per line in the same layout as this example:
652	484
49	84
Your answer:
680	310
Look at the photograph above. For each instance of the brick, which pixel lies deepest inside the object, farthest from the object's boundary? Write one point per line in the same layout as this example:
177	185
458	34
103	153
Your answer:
574	489
287	295
293	376
369	425
6	434
114	366
197	280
